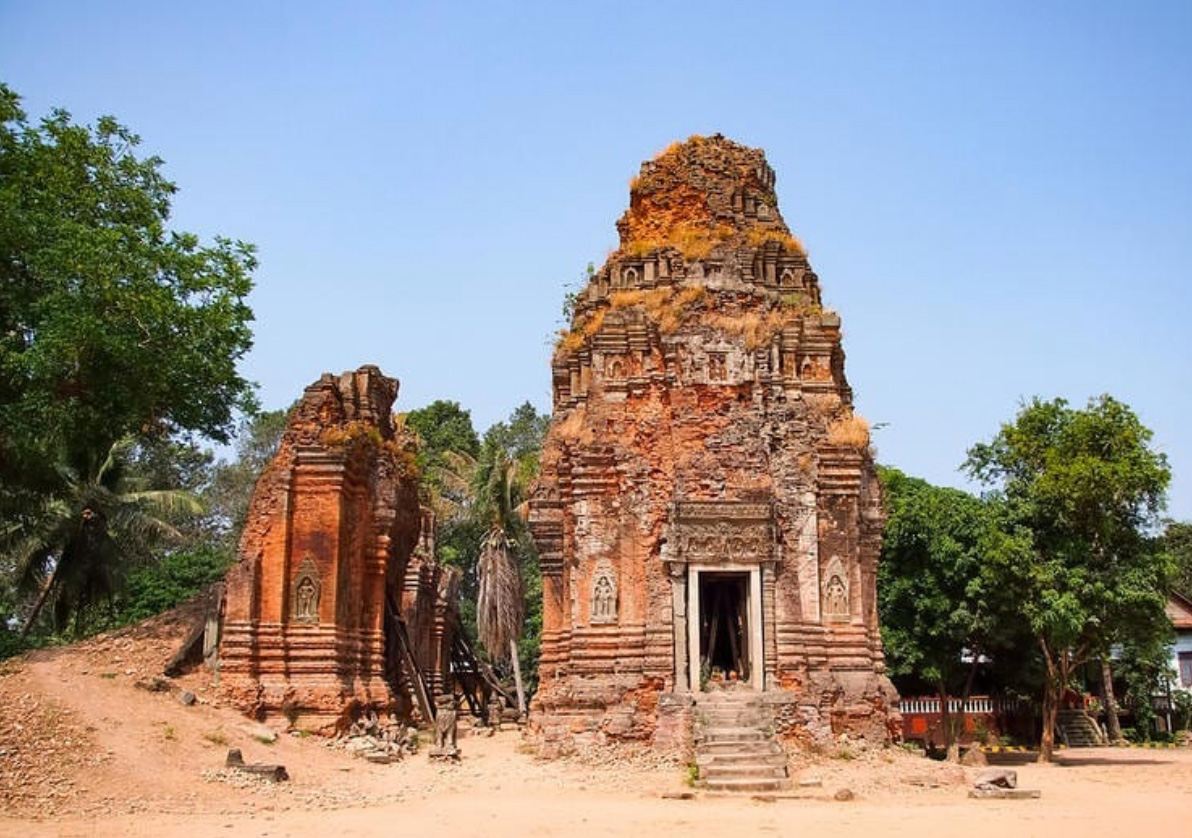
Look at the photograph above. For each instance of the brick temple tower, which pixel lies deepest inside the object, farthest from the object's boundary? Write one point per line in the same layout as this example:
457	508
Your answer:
708	509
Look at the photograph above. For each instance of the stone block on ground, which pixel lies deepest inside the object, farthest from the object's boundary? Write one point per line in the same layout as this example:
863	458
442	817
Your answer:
1005	778
996	793
266	771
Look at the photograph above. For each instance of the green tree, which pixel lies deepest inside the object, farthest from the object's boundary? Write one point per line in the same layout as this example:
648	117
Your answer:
111	324
1177	542
447	452
1088	487
178	576
72	552
945	592
227	496
444	426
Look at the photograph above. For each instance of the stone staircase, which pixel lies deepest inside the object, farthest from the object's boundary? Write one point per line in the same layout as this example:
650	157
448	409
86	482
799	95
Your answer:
1076	730
734	748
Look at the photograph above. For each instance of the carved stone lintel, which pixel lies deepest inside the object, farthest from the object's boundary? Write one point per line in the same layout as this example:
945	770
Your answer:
719	532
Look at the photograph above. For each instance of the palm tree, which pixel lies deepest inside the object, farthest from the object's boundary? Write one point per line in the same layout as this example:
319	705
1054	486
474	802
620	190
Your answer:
500	604
72	549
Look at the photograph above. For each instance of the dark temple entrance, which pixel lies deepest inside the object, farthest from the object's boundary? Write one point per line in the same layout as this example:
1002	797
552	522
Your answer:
724	626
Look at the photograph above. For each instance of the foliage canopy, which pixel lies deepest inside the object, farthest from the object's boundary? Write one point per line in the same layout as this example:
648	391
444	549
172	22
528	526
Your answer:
111	325
1088	488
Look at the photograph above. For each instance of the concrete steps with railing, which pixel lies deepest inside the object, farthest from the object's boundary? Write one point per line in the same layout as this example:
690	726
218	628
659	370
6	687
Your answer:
1077	730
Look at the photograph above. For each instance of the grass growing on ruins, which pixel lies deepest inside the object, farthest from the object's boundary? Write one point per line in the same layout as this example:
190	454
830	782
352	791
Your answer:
665	306
849	431
694	240
364	433
693	140
757	328
758	237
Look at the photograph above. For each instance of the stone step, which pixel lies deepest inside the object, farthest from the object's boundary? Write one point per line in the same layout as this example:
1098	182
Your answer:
749	784
734	734
1077	730
742	759
735	750
742	772
756	748
731	721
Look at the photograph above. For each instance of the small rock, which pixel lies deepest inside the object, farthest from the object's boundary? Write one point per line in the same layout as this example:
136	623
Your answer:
186	697
974	757
1005	778
844	794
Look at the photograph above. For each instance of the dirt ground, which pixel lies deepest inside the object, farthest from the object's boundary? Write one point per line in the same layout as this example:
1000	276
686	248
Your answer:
84	752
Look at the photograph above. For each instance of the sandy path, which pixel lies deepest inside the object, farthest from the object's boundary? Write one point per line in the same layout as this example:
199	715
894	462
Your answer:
85	753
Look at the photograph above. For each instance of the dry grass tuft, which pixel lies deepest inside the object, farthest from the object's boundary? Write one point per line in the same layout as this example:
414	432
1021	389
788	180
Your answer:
759	236
849	431
757	328
694	139
664	306
585	326
698	242
694	240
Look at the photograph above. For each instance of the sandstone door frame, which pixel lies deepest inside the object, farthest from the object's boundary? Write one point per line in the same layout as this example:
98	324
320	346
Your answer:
753	607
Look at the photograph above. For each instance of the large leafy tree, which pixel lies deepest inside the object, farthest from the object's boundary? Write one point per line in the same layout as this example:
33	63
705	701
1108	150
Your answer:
111	324
448	450
113	329
1088	487
946	587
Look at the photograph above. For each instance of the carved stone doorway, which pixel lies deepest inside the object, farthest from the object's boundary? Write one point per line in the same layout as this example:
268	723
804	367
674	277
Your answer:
725	625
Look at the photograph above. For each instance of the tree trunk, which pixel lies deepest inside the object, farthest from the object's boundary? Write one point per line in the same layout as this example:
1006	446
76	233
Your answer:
954	748
42	596
950	743
1053	689
1051	701
1113	726
517	679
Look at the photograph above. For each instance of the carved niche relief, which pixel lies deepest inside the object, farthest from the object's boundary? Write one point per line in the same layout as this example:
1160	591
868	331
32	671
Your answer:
835	600
717	366
603	606
304	595
614	368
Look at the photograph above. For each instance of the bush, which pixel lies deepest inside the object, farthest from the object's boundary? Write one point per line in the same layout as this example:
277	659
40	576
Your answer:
171	581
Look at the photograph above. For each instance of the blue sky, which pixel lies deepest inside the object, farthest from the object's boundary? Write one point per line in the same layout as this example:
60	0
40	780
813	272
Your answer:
997	197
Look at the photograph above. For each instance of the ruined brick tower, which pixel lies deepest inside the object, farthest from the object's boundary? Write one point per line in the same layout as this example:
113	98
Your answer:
707	510
332	536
